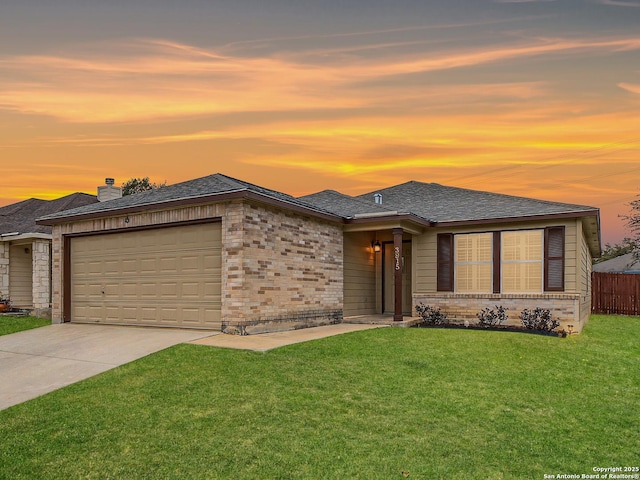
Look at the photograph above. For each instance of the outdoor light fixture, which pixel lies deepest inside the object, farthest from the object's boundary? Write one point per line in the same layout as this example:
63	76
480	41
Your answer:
376	246
126	220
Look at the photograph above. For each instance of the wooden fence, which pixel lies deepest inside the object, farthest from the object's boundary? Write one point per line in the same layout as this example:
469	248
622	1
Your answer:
615	293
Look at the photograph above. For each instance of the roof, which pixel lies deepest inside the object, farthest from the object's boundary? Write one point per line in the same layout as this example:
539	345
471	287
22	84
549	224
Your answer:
420	203
438	203
344	205
621	264
210	188
21	217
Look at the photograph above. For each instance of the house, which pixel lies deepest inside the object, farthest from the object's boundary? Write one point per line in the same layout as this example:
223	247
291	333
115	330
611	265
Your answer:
626	263
25	261
25	247
221	253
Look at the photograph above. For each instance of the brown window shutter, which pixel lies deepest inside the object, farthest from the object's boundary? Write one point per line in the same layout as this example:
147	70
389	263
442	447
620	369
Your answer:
496	261
445	262
554	259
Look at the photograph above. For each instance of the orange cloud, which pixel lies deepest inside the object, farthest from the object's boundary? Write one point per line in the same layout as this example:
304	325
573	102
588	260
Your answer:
162	79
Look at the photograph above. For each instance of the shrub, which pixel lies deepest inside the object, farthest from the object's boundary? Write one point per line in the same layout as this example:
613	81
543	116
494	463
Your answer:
431	315
489	317
538	319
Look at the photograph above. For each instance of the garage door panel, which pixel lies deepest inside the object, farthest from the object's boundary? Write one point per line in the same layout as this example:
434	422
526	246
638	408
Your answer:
168	265
191	290
169	290
147	291
212	262
169	276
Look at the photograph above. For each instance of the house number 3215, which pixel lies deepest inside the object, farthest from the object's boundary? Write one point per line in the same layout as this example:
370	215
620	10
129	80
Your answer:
396	253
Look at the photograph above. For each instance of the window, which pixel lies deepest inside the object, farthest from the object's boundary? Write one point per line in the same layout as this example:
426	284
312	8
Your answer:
473	255
522	261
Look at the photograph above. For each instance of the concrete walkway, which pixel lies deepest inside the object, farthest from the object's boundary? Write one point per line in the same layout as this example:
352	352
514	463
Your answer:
44	359
38	361
268	341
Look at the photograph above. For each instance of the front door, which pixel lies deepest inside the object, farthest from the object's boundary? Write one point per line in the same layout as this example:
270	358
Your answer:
388	276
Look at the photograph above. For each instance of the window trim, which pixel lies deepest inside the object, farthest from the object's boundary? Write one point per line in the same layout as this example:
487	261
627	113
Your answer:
445	259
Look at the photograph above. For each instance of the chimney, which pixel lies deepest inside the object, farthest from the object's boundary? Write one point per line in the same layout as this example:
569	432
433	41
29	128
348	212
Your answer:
108	191
377	198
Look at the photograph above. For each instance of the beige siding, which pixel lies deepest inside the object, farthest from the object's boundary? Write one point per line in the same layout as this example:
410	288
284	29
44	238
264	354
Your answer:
20	275
584	272
359	274
160	277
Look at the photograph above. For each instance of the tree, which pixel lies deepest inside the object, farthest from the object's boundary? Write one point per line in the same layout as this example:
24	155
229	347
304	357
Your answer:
627	245
633	224
138	185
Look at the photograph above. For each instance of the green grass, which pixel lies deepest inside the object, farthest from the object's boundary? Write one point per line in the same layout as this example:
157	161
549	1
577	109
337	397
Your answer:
439	404
11	324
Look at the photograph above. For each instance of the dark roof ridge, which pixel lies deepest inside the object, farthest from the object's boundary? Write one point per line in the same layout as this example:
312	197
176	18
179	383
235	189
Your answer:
495	194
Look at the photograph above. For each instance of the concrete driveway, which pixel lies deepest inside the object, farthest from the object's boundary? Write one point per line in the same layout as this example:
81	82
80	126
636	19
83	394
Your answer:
44	359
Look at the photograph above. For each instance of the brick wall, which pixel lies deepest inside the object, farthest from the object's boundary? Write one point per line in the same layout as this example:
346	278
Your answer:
460	307
4	268
283	270
41	278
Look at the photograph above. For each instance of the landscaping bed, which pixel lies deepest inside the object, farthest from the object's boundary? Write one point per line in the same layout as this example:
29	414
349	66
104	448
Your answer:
505	328
537	321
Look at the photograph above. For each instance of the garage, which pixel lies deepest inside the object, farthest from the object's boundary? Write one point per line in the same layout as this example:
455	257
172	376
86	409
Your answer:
167	276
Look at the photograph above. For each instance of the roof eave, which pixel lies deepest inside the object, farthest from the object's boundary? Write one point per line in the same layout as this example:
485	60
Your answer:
12	237
183	202
522	218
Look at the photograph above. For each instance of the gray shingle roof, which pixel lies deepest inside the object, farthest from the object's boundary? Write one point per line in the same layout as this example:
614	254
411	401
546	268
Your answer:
208	186
21	217
438	203
623	263
343	205
429	201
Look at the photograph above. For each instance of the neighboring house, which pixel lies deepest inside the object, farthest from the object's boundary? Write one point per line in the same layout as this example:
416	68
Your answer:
25	261
623	264
220	253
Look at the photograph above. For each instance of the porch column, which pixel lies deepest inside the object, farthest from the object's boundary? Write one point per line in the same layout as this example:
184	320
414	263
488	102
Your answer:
397	274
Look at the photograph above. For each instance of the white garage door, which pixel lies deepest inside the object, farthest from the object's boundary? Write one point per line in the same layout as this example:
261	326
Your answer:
160	277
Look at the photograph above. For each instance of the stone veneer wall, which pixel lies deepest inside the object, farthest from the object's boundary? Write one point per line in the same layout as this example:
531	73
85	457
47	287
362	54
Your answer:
460	307
284	271
4	268
41	249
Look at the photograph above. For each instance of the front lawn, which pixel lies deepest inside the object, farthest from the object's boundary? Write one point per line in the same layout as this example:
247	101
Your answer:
10	324
427	403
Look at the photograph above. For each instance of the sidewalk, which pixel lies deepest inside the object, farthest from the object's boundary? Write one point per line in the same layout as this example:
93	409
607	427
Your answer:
268	341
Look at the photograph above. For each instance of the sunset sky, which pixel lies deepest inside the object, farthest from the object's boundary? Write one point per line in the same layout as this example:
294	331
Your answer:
537	98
